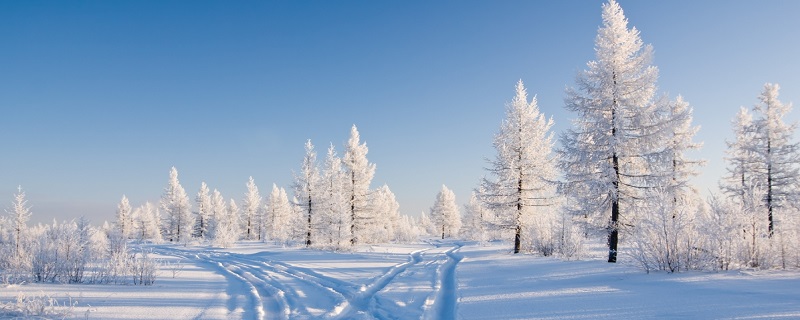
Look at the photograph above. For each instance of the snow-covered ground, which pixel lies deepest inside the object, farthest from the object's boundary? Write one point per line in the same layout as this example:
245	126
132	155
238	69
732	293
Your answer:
433	280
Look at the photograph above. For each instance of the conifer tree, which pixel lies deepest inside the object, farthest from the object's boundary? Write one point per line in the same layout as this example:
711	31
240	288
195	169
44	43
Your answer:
776	168
20	213
203	214
523	172
251	212
124	218
607	157
331	214
306	186
177	209
445	215
359	176
279	215
740	157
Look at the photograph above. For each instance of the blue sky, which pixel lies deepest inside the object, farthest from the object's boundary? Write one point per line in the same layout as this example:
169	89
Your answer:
101	98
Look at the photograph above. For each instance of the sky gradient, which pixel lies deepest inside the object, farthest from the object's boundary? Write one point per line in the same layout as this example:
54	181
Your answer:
101	98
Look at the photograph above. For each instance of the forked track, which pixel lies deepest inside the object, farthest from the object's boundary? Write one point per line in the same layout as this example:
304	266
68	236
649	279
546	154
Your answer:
274	288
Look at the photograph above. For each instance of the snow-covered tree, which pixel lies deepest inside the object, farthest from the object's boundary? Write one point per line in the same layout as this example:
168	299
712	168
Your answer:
741	157
425	225
251	212
307	191
203	213
177	209
224	227
776	169
523	172
279	215
20	213
387	213
147	219
407	229
359	176
445	215
228	231
473	226
124	218
334	226
607	156
680	167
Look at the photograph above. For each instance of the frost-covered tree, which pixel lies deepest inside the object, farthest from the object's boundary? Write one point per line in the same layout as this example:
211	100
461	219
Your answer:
607	156
445	215
251	212
741	158
147	219
523	173
387	213
776	168
224	227
475	219
203	213
176	207
426	226
306	184
279	215
359	176
680	168
228	231
333	221
20	213
124	218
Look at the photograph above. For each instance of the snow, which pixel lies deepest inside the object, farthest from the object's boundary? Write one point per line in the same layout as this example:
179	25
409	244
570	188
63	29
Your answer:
432	280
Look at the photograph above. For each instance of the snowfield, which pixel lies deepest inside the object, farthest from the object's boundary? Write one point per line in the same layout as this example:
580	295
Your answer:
432	280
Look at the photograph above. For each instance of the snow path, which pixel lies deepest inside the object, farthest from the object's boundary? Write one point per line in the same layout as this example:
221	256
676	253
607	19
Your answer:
262	300
434	280
443	302
279	290
364	301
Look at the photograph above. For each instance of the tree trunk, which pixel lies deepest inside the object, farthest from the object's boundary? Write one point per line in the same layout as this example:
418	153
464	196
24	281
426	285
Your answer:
308	234
769	188
613	234
353	209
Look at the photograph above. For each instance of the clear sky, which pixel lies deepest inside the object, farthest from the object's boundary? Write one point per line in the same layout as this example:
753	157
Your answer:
101	98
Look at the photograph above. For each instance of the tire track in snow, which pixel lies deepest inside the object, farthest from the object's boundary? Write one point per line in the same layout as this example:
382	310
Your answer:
363	300
443	302
259	294
296	289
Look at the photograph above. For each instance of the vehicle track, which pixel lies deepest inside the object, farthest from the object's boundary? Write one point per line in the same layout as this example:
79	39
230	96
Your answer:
442	304
278	290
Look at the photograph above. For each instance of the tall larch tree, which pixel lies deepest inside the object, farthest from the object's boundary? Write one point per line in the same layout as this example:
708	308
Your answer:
387	213
333	202
681	132
203	214
777	167
218	215
475	219
177	209
445	215
741	158
359	177
522	175
280	215
251	212
20	213
607	155
307	183
124	218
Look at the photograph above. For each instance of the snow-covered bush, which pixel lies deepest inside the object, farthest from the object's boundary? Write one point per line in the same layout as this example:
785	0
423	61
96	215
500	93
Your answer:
37	306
